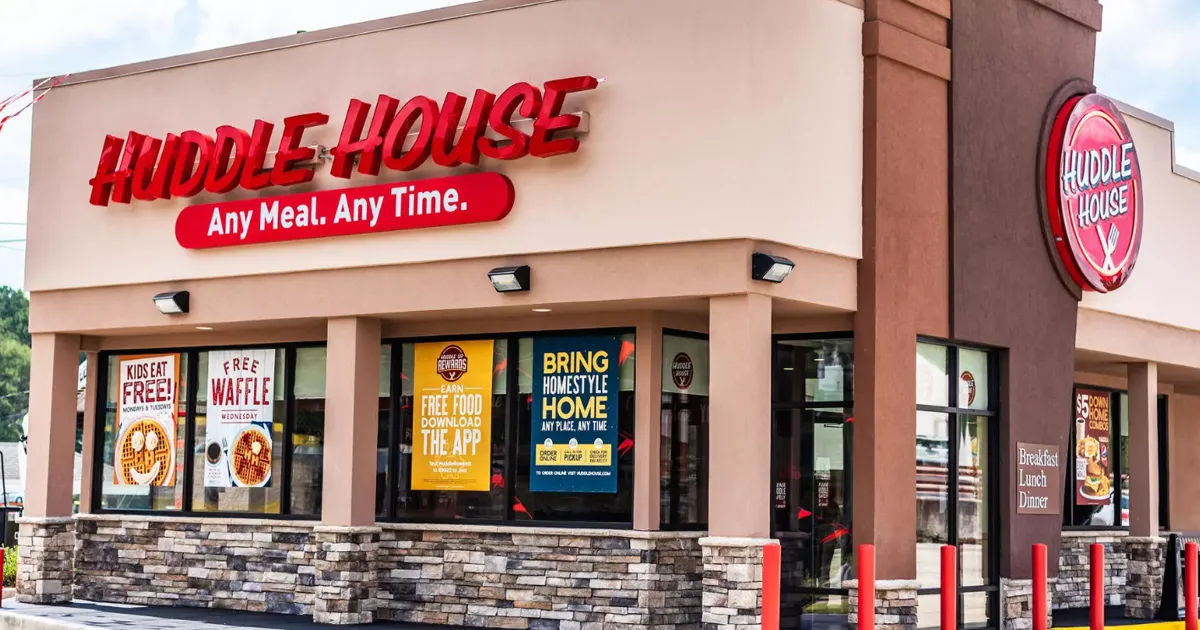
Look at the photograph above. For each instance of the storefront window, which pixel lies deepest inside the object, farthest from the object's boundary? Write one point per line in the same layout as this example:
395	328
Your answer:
683	450
467	438
231	420
955	455
308	431
811	447
1094	488
1098	494
128	421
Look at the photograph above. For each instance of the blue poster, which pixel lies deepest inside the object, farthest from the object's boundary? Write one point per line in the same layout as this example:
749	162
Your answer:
575	387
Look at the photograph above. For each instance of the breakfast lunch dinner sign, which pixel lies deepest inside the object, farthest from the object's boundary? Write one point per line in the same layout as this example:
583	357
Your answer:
241	397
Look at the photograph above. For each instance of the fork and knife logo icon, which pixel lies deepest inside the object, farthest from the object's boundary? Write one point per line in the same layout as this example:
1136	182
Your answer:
1109	245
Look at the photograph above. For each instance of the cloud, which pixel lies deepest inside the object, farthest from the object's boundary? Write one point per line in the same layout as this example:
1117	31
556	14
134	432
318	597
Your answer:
1146	55
229	22
29	29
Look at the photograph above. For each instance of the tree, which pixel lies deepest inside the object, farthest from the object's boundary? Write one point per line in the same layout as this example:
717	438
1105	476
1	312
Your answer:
14	388
14	315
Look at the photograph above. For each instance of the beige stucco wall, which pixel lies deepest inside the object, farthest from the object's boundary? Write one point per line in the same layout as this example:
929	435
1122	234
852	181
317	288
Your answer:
1160	289
1184	419
717	120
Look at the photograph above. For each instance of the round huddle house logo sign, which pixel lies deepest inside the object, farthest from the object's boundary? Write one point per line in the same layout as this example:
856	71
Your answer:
1094	190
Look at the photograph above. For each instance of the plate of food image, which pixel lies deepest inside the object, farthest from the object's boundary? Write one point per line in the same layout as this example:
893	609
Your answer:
1096	485
250	457
145	453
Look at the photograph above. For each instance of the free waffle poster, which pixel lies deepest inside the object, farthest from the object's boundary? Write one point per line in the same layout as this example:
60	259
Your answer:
146	417
238	447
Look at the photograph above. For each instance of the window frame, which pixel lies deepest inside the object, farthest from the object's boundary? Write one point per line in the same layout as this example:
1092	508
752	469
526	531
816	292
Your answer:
953	412
191	381
1162	427
846	403
673	482
1068	519
390	512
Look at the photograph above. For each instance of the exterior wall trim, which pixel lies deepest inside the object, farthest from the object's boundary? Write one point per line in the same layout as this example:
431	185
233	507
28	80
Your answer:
1086	12
469	9
1162	123
885	40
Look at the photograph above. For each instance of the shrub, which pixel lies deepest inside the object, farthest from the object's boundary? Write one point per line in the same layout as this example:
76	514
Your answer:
10	566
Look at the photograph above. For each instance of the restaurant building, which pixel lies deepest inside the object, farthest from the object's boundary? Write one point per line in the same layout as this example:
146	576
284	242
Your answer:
482	316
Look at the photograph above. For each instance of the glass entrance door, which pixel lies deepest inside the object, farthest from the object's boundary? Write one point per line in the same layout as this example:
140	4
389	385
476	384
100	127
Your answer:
811	509
811	497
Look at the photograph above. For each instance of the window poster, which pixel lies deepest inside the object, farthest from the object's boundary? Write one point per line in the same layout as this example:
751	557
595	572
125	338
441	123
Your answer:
452	416
685	365
241	397
575	413
146	416
1093	450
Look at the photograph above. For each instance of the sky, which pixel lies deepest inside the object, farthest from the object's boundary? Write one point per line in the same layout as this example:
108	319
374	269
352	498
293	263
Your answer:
1145	56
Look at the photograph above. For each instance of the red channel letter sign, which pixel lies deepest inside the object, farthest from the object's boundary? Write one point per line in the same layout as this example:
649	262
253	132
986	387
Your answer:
456	200
452	134
1094	190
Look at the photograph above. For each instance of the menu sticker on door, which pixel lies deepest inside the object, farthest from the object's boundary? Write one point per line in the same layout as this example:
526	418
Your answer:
238	443
1093	459
575	414
1038	489
452	416
146	417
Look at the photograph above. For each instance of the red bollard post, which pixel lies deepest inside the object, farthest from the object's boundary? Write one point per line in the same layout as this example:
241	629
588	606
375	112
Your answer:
949	588
866	587
1097	575
1039	587
1189	586
770	582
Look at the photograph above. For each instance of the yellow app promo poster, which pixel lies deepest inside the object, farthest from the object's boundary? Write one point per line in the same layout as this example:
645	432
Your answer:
452	416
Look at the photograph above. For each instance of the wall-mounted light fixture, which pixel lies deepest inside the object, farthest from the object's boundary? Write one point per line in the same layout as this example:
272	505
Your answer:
510	279
173	303
770	268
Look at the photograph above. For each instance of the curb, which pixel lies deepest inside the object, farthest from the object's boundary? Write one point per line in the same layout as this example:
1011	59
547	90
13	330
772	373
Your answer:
13	620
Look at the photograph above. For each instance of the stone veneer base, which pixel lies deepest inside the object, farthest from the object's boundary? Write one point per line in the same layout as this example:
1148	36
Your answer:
895	604
1143	593
1016	606
504	577
45	549
733	571
1071	589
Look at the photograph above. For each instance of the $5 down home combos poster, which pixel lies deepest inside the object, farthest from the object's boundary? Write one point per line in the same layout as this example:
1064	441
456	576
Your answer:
146	417
241	397
452	436
575	414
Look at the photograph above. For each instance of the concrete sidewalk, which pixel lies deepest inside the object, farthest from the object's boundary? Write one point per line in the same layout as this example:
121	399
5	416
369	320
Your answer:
80	614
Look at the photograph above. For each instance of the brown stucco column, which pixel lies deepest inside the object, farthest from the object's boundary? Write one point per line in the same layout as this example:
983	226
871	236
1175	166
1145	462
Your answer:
1145	549
46	541
1143	449
53	384
739	455
646	431
903	279
89	432
348	541
739	416
351	421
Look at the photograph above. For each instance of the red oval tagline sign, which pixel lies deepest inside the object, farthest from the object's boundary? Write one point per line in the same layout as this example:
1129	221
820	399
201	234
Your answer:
1094	185
444	201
